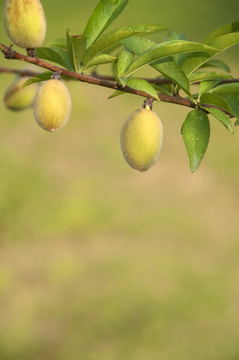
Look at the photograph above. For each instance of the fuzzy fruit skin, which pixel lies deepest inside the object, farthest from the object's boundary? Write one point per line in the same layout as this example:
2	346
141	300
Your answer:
17	98
25	22
52	105
141	139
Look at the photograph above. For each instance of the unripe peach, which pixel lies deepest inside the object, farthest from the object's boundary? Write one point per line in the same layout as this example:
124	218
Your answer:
18	98
52	105
25	22
141	139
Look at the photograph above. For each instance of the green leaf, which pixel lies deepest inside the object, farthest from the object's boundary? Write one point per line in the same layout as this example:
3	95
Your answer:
168	67
172	35
125	59
196	60
232	89
115	36
223	42
143	85
138	45
216	100
226	102
173	71
222	117
233	104
217	64
179	59
55	54
223	30
207	85
76	47
196	133
103	15
116	93
100	60
164	89
164	50
60	42
42	77
207	75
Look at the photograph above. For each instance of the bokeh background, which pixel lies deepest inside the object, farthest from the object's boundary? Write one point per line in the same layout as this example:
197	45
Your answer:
98	261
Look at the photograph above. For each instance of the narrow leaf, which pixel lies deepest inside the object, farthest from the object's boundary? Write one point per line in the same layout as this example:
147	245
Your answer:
226	102
125	59
232	89
103	15
172	35
164	50
216	100
233	104
76	47
207	85
100	60
143	85
55	54
207	75
116	93
223	30
223	42
179	59
173	71
42	77
164	89
217	64
138	44
60	42
168	66
115	36
222	117
196	133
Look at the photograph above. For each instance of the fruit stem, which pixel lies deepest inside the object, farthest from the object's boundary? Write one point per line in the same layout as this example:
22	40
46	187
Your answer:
31	52
56	76
148	104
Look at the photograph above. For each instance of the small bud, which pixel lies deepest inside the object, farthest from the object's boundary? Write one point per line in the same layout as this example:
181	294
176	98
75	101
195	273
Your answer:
141	139
25	22
18	98
52	105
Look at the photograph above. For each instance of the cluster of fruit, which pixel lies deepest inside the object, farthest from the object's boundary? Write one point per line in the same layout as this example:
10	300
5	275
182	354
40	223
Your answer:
142	133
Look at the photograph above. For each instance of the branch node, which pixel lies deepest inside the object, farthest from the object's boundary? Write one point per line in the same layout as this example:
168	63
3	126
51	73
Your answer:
7	51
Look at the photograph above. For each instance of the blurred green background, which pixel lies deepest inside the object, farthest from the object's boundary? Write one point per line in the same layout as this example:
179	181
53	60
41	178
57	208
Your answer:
98	261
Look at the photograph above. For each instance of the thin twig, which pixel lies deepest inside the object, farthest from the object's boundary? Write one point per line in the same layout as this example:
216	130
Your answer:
20	72
162	81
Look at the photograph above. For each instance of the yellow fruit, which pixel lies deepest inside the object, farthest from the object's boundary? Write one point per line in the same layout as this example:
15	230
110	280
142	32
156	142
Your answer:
18	98
52	105
25	22
141	139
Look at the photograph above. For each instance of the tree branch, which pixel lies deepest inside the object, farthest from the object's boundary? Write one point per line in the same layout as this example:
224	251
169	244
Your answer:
96	79
14	55
101	80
